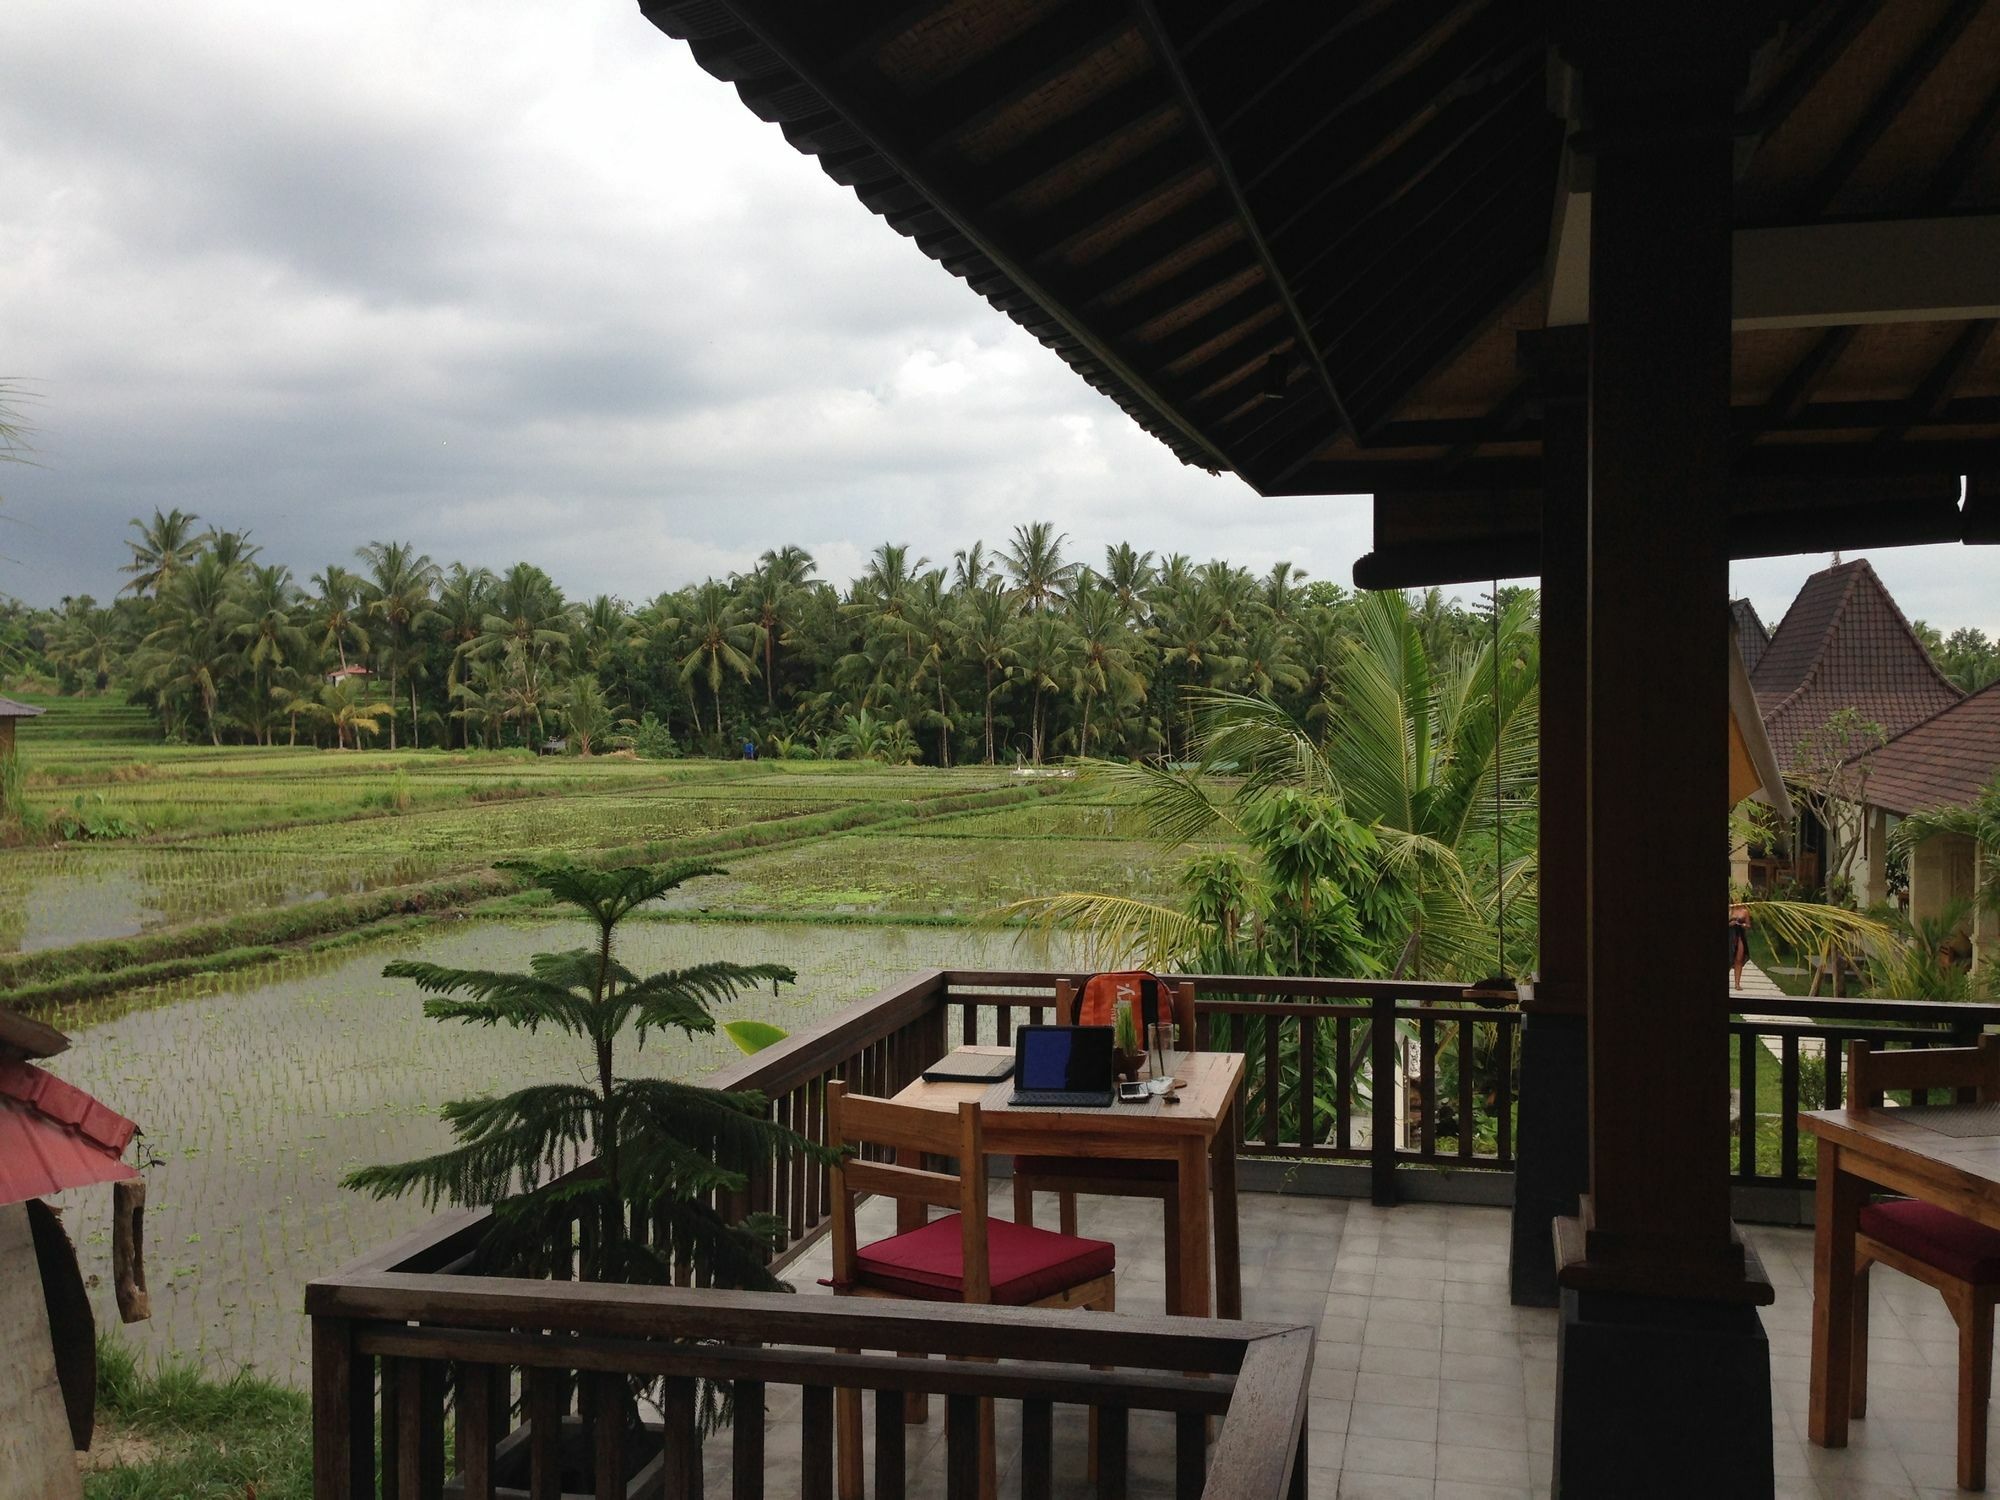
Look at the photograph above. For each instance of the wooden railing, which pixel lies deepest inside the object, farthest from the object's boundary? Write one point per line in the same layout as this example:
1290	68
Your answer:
1314	1049
428	1381
1792	1057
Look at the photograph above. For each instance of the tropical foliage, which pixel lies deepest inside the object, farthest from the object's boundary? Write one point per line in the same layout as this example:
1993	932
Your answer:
1021	653
657	1156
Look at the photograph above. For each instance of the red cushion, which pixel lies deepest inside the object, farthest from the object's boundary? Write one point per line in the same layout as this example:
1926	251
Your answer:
1141	1170
1937	1237
1025	1264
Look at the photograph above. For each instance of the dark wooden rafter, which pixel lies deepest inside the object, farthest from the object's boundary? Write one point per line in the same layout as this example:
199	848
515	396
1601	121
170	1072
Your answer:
1133	105
1883	110
1230	259
1795	392
1412	43
1838	26
1172	164
889	124
1169	58
961	101
1933	395
1342	209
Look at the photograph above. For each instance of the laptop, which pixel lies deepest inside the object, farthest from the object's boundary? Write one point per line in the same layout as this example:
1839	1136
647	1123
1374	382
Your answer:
1065	1066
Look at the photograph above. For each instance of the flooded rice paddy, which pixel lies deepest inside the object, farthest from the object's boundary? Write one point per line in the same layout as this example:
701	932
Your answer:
257	1095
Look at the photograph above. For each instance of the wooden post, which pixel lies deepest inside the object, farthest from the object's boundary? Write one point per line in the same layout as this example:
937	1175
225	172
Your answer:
1658	577
1554	1158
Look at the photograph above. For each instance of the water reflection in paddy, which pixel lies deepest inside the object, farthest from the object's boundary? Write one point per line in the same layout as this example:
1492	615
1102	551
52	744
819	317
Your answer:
256	1097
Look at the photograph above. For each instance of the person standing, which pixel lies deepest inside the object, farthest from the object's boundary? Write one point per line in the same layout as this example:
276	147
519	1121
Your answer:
1739	943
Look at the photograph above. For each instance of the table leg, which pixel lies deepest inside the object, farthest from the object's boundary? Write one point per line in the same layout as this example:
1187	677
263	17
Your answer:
1228	1252
1838	1201
1193	1188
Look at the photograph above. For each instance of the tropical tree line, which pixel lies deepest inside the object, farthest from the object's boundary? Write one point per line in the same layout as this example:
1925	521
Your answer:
1021	654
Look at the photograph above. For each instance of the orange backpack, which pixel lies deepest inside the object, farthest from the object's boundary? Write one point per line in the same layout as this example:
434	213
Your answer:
1098	1004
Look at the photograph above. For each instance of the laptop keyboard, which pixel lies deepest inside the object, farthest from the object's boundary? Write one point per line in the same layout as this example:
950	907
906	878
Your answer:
1060	1098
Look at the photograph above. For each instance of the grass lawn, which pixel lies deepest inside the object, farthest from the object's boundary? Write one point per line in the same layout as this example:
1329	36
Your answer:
166	1433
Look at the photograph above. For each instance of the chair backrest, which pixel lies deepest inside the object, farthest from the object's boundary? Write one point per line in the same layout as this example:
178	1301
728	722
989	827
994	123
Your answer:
1177	997
1870	1074
912	1134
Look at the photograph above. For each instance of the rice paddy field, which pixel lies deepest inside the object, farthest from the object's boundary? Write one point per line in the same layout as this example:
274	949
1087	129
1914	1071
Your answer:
260	1082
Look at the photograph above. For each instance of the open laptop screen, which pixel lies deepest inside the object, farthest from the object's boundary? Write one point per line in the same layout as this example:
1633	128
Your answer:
1064	1058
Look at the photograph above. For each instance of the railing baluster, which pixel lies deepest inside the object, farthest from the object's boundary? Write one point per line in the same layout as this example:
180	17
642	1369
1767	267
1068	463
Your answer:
1190	1455
1836	1059
420	1431
1788	1109
746	1442
1382	1100
890	1478
1003	1035
1427	1083
1273	1077
961	1438
1748	1044
681	1459
1503	1097
1343	1084
1308	1080
816	1443
392	1429
608	1431
1111	1445
1037	1448
545	1412
1468	1057
474	1410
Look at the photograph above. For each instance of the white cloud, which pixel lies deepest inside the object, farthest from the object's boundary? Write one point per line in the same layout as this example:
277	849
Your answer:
511	279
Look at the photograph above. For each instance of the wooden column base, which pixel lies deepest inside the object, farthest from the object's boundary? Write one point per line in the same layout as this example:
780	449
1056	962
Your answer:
1731	1274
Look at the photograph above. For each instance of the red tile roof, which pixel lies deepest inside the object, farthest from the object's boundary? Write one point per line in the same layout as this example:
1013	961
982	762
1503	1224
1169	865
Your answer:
54	1136
1946	761
1845	644
1751	637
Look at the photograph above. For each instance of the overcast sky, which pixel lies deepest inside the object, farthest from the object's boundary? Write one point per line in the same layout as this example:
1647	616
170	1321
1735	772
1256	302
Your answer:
511	279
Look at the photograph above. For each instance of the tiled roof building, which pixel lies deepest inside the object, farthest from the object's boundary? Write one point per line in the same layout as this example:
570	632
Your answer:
1845	644
1946	761
1751	636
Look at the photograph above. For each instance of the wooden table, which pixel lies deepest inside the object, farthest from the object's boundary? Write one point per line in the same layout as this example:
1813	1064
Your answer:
1895	1150
1199	1133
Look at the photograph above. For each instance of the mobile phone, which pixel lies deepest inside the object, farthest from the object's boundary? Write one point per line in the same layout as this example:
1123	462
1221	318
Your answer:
1134	1093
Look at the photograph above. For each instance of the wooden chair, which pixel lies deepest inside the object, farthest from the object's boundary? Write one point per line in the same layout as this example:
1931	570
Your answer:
1944	1250
962	1257
1067	1176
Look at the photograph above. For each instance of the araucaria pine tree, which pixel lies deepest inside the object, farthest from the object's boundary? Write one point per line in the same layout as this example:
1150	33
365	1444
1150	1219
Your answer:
663	1154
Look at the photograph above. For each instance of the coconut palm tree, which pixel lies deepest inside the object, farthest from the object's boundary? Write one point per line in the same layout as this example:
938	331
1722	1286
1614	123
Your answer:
718	641
336	612
1106	653
164	546
768	594
398	595
972	569
342	706
272	640
525	614
1035	563
85	641
1044	654
463	600
191	650
930	630
1129	574
233	550
986	637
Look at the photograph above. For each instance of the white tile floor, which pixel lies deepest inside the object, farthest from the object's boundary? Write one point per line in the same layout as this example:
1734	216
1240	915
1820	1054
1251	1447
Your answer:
1428	1383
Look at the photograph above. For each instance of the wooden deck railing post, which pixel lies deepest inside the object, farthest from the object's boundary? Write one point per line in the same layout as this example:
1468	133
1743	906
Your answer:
1382	1100
343	1414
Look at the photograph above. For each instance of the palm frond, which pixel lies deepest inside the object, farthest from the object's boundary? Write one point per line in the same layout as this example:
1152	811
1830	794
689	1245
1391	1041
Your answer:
1813	927
1116	931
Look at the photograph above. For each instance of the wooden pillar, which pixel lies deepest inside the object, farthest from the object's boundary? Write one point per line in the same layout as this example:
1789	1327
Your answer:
1657	593
1553	1159
1659	1336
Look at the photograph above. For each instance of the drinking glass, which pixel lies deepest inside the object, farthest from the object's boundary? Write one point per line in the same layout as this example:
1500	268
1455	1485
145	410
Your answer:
1164	1045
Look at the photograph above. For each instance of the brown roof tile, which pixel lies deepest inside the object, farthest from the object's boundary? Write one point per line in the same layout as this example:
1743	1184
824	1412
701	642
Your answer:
1845	644
1751	636
1946	761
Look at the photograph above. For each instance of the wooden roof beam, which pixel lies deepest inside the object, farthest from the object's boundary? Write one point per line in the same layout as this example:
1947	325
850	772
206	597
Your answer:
1225	169
887	122
982	91
1891	271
